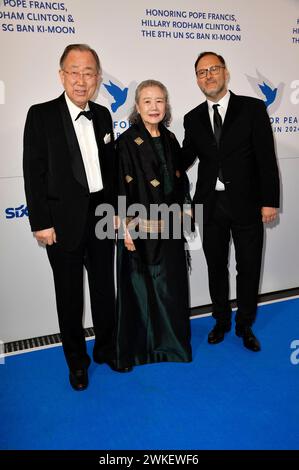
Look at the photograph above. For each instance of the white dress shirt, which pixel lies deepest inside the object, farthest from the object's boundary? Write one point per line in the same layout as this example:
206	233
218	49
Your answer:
222	108
88	146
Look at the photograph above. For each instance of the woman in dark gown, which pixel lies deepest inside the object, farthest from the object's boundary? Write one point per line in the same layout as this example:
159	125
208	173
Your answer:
153	296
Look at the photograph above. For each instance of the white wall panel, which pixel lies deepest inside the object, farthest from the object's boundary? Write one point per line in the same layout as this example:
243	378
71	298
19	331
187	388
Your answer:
131	50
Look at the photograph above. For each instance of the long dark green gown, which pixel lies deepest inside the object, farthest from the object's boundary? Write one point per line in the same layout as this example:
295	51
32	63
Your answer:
153	294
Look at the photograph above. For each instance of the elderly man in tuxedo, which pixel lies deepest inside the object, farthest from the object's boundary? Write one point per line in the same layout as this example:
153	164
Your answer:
238	185
68	171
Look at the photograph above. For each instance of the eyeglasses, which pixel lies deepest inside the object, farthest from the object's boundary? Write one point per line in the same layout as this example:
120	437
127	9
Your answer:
214	70
75	76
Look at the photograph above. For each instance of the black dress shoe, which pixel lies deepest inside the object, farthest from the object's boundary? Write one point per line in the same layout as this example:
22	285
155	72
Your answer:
216	335
79	379
249	340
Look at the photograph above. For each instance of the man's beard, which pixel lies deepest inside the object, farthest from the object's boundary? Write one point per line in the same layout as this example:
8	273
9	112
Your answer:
215	92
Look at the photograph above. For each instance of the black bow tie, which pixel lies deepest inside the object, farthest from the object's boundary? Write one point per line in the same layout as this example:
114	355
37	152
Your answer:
87	114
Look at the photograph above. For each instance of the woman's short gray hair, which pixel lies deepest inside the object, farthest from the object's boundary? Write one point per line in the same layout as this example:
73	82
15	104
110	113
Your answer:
135	117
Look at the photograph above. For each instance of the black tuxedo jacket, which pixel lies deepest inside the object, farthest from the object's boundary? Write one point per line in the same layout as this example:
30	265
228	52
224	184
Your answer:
246	154
55	181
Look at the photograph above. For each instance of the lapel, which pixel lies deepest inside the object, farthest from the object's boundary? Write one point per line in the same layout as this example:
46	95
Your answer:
99	135
170	151
232	112
204	117
73	145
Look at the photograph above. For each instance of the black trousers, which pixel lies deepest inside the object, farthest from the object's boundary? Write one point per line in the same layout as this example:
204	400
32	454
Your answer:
97	256
248	243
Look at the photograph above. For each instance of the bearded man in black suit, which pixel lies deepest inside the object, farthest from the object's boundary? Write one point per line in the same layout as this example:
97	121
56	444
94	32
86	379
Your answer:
68	171
238	185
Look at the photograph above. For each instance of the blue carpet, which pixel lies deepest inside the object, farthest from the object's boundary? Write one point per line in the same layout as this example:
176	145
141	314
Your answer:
228	398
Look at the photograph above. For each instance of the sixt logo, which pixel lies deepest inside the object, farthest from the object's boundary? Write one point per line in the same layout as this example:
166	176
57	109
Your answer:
17	212
268	92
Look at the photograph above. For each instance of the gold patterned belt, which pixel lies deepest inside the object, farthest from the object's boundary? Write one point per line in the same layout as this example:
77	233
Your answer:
146	225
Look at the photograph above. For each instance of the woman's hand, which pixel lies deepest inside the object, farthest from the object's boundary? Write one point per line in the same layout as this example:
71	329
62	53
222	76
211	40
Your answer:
129	242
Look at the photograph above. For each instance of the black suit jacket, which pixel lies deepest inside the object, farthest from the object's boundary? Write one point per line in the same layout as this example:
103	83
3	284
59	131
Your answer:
55	181
246	154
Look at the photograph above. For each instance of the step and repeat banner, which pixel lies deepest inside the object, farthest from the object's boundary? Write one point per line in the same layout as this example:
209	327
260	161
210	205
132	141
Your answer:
137	40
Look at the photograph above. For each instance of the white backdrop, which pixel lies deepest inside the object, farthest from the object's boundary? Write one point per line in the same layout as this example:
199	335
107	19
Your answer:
136	40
